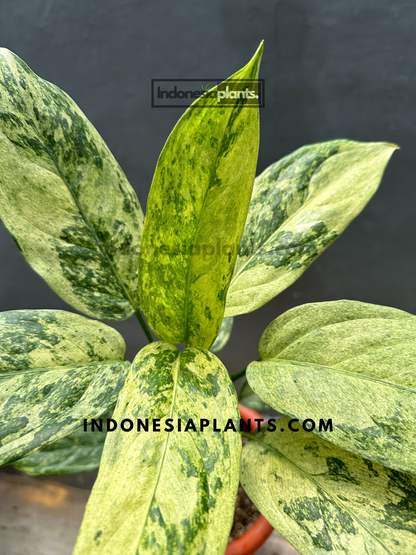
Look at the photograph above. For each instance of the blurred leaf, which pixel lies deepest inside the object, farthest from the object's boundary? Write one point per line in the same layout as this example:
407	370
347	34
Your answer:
223	335
249	399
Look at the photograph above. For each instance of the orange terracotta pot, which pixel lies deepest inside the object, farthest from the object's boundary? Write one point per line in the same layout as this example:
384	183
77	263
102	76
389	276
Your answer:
261	529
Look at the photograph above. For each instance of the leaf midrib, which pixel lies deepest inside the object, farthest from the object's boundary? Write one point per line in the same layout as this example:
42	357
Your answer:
188	274
64	367
103	251
405	316
58	435
165	448
347	373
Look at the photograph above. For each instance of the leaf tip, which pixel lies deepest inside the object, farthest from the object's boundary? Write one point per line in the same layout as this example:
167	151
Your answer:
393	146
253	65
389	149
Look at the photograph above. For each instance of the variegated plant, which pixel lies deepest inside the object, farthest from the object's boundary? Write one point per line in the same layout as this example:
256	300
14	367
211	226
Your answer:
216	243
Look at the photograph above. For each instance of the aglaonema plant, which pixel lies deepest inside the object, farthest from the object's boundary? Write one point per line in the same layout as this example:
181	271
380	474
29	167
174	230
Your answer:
216	243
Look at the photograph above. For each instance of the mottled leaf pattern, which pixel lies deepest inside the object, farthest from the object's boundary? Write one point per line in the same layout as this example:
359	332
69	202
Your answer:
300	205
64	198
77	221
195	216
223	335
78	452
349	361
56	368
167	492
324	500
47	338
38	407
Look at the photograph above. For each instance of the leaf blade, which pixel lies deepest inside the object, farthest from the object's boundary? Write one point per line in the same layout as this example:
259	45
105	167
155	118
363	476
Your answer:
223	335
249	399
56	368
48	338
300	205
78	452
195	217
325	500
63	197
184	484
45	406
349	361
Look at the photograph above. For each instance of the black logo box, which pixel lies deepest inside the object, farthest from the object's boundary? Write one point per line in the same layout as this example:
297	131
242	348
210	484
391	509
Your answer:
155	83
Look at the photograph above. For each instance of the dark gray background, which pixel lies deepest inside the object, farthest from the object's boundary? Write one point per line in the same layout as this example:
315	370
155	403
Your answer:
332	69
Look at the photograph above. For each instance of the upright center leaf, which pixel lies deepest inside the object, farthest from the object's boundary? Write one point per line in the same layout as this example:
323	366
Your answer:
196	213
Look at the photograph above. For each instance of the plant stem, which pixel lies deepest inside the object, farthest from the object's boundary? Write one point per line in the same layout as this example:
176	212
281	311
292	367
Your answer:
144	326
238	375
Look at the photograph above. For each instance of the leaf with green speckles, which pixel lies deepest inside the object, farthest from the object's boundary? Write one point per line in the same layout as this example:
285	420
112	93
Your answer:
56	368
175	491
196	213
78	452
300	205
223	335
49	338
352	362
249	399
64	198
39	407
324	500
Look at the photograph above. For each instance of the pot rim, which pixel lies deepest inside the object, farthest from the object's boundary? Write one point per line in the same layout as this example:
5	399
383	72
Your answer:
257	534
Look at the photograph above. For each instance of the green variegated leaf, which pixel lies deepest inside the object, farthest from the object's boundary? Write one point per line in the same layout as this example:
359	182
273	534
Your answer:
38	407
167	492
64	198
324	500
56	368
47	338
300	205
195	216
249	399
78	452
223	335
352	362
